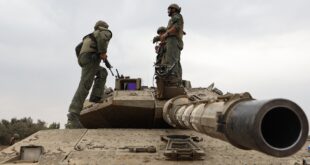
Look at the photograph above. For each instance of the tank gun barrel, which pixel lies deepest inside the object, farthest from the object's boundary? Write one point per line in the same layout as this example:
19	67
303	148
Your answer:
276	127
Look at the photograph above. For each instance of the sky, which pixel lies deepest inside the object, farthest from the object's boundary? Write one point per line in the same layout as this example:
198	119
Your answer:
258	46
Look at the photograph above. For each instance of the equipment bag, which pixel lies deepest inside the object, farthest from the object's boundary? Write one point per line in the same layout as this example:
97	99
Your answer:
78	49
80	45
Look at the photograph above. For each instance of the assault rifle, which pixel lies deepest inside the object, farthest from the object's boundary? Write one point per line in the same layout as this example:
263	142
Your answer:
108	65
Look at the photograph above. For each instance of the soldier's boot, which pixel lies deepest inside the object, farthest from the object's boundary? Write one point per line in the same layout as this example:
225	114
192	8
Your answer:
73	121
95	99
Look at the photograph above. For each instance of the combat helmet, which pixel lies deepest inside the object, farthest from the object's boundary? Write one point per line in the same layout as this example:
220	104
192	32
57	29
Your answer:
101	23
161	29
175	6
16	136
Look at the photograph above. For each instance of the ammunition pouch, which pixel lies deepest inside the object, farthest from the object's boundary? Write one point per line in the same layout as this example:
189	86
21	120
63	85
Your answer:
180	44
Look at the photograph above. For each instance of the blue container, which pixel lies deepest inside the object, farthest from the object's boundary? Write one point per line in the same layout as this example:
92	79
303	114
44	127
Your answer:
131	86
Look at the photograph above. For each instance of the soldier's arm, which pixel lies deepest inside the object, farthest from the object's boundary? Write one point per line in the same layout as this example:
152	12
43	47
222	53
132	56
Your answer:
171	31
176	25
103	38
156	39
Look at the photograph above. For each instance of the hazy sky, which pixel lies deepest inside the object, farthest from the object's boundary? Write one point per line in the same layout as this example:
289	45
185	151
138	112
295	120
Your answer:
259	46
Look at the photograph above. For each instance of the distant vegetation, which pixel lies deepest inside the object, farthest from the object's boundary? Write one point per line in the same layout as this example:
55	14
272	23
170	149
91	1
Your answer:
23	127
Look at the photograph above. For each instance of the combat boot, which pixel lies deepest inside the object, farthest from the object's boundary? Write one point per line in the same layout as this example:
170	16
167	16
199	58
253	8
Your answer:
95	99
73	121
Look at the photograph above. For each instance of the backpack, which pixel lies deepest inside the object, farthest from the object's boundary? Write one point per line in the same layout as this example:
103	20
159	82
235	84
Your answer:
80	45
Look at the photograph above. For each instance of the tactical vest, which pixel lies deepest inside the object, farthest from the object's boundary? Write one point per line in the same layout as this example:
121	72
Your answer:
90	40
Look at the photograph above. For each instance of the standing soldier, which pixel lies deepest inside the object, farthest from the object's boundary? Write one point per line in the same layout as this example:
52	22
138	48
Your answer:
14	138
93	50
174	44
160	50
160	46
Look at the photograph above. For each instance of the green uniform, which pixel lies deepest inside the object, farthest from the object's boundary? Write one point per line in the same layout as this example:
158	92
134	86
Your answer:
91	70
160	50
174	45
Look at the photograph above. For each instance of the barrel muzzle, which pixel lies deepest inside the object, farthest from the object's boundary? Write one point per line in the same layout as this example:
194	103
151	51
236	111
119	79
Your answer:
277	127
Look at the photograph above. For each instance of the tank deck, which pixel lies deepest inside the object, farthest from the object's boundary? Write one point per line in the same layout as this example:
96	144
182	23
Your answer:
108	146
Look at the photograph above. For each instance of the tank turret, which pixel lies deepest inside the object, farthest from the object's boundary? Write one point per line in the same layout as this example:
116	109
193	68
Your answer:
276	127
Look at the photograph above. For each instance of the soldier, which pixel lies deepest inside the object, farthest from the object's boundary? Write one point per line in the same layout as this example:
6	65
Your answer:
94	49
160	46
160	50
14	138
174	43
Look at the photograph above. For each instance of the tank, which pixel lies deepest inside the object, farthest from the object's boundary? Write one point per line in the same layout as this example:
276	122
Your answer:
187	126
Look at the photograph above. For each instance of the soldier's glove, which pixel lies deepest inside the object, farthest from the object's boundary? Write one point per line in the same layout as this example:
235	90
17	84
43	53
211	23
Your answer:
103	56
156	39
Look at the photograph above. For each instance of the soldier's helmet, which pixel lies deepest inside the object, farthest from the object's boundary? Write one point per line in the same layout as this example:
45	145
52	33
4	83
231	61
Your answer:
101	23
161	30
175	6
16	136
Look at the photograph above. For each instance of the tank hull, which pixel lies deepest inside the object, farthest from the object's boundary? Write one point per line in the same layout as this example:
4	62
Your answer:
104	146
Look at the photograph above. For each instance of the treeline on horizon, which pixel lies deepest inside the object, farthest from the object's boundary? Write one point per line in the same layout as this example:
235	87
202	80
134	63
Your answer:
23	127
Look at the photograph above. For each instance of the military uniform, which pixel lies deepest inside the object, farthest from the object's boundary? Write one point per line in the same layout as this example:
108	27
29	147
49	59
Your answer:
174	45
89	60
160	50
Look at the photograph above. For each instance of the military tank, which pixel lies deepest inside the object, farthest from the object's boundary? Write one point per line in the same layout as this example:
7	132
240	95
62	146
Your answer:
187	126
